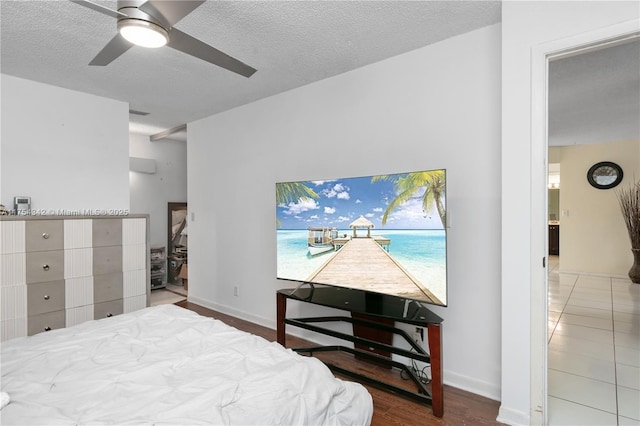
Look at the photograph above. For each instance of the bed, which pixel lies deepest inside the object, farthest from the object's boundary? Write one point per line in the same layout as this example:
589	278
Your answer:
168	365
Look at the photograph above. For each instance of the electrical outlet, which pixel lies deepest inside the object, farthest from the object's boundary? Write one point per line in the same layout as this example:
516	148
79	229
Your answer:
236	291
418	335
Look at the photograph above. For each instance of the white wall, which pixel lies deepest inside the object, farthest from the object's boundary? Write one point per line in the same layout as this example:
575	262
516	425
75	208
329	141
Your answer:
438	106
67	150
150	193
593	236
525	26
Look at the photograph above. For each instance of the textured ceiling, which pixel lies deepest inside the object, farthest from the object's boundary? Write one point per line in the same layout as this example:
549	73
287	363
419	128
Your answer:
593	97
291	43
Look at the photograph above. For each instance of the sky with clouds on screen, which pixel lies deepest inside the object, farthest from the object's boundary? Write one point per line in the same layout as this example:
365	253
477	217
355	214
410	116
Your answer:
342	201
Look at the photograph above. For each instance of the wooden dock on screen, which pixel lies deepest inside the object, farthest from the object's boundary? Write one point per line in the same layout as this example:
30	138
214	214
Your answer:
363	264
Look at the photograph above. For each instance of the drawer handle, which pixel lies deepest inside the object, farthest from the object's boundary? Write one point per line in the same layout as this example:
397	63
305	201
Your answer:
46	297
45	267
45	235
109	314
47	328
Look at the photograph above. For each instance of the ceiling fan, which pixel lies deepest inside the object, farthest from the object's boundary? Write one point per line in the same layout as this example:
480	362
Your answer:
151	23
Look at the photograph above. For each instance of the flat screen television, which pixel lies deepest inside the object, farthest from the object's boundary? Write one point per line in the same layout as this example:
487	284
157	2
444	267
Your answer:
382	234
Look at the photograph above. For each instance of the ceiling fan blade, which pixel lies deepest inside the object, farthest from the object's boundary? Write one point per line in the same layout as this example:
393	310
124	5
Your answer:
99	8
116	47
194	47
169	11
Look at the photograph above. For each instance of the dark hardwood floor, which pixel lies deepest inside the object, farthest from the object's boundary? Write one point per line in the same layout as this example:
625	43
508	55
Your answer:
460	407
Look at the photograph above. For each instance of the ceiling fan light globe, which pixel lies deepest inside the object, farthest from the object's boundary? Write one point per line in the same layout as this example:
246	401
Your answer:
143	33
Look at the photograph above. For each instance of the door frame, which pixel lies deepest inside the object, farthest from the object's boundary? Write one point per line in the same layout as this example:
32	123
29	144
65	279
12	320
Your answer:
541	55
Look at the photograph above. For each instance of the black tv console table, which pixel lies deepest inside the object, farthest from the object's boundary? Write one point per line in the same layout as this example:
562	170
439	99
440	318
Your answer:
374	311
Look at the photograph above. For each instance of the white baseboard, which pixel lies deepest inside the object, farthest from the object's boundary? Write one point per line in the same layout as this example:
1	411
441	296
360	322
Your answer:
266	322
513	417
592	274
469	384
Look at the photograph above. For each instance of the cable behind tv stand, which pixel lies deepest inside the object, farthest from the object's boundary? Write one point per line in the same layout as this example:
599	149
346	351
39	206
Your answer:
379	313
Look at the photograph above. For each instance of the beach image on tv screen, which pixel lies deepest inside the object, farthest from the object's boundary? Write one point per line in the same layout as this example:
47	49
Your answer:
383	234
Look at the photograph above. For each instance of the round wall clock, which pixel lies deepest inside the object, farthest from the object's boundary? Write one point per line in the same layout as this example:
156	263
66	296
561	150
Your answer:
604	175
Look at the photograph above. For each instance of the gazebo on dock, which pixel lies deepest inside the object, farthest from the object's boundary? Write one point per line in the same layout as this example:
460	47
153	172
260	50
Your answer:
361	222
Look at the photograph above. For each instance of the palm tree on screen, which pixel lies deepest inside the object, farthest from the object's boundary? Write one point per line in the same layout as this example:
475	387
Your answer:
292	192
408	185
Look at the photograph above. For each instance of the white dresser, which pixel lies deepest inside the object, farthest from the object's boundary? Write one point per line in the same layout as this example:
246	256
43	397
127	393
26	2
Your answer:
60	271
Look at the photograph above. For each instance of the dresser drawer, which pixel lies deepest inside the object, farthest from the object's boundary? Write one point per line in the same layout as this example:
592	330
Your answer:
41	235
107	287
13	269
12	237
134	231
12	328
13	302
42	266
107	232
107	309
45	322
77	233
107	260
45	297
135	303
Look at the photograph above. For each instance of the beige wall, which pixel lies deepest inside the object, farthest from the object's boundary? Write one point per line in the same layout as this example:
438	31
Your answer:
593	237
554	204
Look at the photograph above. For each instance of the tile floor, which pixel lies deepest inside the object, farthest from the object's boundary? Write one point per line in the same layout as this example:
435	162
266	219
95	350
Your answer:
594	349
176	288
170	294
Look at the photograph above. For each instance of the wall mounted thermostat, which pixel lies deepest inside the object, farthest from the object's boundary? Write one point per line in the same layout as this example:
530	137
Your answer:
22	205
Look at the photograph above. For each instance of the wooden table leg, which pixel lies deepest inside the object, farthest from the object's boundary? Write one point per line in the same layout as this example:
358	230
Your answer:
435	353
281	313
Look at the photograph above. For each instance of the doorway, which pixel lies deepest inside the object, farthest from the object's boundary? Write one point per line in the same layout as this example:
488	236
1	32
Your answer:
556	51
177	248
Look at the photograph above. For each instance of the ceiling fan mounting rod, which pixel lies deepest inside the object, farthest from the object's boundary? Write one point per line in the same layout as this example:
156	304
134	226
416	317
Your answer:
130	8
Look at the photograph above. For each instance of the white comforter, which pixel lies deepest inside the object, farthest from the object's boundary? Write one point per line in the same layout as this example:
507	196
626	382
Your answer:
168	365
